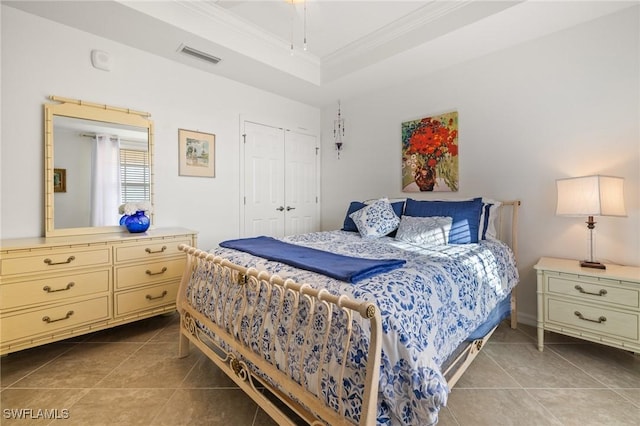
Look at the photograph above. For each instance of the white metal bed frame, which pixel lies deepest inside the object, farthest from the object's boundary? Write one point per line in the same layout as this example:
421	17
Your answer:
234	354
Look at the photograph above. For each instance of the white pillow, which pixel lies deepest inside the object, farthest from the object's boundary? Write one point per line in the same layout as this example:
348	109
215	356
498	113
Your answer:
376	219
425	231
488	225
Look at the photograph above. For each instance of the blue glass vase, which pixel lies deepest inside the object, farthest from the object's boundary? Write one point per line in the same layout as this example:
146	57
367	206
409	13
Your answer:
137	222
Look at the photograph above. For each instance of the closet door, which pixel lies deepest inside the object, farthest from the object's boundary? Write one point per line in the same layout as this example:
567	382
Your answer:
263	180
301	184
280	182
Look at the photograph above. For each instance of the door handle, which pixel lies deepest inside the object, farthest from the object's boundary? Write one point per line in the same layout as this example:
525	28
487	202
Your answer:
281	208
289	208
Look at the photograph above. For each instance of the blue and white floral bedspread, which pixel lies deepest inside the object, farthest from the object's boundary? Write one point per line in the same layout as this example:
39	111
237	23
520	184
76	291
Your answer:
428	308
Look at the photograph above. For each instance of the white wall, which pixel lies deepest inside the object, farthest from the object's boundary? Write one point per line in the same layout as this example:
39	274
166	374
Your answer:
42	58
564	105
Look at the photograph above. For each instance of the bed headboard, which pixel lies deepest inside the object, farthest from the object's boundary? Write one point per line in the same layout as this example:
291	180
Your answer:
507	224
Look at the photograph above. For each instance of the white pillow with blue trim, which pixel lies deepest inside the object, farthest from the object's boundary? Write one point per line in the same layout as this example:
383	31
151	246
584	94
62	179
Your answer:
376	219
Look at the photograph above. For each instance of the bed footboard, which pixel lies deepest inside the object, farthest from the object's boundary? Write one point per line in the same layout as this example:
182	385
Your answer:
290	338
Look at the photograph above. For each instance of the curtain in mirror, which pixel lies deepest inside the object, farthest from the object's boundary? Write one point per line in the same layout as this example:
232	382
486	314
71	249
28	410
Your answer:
105	181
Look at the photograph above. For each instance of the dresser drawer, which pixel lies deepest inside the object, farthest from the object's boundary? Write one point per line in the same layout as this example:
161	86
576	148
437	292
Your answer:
53	288
596	319
53	319
593	290
145	298
149	273
55	260
151	250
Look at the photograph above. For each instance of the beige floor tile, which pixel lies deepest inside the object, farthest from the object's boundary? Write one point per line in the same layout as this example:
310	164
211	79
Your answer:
108	407
155	365
531	368
505	334
211	407
83	366
263	419
503	407
484	372
613	367
37	406
445	418
170	333
585	407
549	336
17	365
206	374
633	395
136	332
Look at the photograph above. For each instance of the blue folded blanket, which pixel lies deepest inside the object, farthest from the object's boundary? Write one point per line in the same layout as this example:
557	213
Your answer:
344	268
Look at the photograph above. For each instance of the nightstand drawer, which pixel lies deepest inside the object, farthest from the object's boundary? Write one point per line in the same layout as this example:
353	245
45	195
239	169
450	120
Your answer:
149	273
594	290
152	250
599	320
55	260
146	298
54	318
54	288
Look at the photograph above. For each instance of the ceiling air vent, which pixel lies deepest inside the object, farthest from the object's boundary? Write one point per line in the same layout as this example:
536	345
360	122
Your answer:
198	54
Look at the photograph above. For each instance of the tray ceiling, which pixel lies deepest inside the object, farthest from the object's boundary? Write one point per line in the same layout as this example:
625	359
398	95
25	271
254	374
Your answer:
352	46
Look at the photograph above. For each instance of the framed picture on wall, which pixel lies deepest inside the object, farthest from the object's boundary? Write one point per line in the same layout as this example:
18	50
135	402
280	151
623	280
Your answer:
197	153
430	154
59	180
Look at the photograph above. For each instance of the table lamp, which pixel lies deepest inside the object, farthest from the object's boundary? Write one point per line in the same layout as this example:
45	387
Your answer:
591	196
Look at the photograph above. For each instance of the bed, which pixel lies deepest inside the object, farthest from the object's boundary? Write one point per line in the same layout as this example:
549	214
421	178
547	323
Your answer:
380	344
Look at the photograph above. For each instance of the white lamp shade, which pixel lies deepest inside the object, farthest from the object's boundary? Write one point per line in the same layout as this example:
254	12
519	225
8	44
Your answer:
591	196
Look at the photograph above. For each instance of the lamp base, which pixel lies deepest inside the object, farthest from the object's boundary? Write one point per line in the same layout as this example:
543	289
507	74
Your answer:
589	264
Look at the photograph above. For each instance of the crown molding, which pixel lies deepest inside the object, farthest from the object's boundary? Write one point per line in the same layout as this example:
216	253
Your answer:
395	30
218	26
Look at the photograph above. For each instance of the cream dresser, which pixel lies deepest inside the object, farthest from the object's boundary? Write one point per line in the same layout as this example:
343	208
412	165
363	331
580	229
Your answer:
597	305
58	287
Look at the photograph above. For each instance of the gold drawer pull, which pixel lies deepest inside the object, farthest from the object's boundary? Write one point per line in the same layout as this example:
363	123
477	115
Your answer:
162	271
50	290
51	262
150	297
583	291
582	317
148	250
49	320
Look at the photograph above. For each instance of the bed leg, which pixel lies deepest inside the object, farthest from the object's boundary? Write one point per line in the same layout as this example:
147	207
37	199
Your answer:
183	346
514	310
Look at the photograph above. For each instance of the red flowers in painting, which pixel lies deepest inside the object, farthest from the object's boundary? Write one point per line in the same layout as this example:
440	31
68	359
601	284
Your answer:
430	153
431	139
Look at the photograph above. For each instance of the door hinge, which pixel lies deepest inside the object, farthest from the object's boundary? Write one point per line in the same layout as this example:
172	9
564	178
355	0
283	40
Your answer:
244	138
317	149
245	201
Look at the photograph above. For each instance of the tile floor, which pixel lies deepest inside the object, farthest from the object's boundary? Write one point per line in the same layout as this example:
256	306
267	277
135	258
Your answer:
131	375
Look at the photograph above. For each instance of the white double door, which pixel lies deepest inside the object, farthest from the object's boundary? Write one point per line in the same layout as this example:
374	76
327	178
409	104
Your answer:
280	181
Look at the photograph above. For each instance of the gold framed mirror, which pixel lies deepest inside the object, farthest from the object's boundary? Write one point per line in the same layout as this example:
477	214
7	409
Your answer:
102	156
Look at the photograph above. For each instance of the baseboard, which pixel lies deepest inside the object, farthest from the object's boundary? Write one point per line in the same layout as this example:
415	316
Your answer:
527	319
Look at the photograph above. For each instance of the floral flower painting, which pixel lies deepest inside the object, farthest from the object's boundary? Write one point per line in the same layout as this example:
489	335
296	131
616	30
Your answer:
430	154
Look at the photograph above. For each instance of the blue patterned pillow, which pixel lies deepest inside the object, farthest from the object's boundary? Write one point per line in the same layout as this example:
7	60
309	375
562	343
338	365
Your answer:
349	224
465	214
375	220
424	231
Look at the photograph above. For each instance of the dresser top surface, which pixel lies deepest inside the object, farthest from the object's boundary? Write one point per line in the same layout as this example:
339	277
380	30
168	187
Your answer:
570	266
115	237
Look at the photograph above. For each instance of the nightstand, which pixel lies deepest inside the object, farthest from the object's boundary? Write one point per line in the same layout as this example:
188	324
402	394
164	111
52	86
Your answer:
601	306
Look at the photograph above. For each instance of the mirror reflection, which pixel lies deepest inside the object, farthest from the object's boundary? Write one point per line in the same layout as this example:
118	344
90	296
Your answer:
97	167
